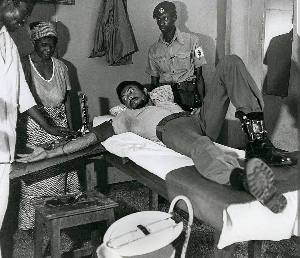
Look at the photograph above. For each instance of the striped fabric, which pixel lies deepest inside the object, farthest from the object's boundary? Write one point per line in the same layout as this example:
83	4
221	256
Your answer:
42	29
49	182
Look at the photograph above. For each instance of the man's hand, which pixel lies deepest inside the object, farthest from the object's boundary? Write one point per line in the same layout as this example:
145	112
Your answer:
38	154
200	89
200	84
195	111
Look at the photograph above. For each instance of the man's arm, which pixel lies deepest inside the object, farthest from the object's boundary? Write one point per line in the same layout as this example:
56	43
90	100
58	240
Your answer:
35	114
200	83
152	69
154	82
199	60
98	134
76	145
73	146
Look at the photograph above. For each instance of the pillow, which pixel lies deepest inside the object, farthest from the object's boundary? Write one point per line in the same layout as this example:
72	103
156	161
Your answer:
159	94
101	119
117	109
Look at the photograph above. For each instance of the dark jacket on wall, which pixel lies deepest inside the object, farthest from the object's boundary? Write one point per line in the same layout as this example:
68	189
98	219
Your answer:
278	59
114	36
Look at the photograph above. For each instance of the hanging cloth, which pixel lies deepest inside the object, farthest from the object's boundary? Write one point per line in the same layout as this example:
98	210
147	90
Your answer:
278	58
114	36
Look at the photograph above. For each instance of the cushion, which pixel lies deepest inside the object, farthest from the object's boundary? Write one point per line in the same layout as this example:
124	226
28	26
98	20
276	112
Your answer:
101	119
159	94
117	109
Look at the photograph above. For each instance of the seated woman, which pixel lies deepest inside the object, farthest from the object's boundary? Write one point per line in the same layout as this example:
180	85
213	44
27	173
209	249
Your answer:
49	83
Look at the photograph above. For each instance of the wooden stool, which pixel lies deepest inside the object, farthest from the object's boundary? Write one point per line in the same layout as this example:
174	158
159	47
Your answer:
95	208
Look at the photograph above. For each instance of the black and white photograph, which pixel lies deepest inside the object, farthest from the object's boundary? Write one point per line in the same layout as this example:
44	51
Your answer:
149	128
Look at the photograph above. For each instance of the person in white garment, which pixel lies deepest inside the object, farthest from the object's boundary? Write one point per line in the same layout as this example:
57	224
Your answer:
14	92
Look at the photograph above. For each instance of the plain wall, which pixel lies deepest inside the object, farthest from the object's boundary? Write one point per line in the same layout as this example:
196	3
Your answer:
76	26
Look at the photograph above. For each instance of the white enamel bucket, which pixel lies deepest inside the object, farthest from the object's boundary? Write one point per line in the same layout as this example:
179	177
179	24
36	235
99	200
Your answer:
146	234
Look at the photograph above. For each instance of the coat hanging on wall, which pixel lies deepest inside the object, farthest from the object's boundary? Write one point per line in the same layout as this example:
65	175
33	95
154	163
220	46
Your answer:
278	59
114	36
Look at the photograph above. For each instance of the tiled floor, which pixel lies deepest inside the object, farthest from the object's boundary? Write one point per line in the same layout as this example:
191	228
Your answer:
132	197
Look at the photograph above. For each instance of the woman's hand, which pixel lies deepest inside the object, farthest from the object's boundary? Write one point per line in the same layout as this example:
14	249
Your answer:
38	153
54	130
59	131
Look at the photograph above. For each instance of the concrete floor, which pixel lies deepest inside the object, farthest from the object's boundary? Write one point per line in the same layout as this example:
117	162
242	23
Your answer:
133	197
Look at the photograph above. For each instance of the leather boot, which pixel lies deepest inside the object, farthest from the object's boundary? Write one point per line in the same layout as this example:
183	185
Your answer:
259	145
258	180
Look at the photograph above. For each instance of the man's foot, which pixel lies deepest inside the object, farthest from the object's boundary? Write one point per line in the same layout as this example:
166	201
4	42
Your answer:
259	145
259	181
265	150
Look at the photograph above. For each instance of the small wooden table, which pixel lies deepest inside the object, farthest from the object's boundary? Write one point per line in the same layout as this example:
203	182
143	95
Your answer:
95	208
70	217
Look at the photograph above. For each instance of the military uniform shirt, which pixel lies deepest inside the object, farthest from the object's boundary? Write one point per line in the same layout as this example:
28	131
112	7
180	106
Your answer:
175	61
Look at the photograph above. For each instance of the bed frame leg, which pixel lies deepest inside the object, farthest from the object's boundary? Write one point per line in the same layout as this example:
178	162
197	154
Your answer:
153	201
90	175
227	252
254	248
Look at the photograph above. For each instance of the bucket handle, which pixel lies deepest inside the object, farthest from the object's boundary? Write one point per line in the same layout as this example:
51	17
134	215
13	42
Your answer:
190	222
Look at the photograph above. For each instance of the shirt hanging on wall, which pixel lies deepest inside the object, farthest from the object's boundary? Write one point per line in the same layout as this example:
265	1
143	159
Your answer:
114	36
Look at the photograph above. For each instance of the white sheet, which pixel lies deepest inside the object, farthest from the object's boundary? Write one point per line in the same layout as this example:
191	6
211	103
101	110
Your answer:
155	158
253	221
151	156
241	222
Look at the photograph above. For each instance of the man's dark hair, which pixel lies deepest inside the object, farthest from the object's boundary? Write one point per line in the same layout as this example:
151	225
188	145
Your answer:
124	84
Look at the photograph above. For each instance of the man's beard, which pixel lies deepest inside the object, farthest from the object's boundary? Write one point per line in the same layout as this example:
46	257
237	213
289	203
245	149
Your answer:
142	103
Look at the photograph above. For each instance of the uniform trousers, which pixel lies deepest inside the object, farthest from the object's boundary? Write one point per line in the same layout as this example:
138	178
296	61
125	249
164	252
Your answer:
193	136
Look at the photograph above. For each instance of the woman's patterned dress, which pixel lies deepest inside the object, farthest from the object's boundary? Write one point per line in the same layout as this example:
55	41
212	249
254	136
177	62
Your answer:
50	96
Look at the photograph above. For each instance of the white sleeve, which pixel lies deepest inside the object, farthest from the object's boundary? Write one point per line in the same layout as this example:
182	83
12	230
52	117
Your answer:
26	100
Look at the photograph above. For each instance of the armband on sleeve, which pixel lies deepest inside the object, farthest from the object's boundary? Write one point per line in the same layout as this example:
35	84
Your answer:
103	131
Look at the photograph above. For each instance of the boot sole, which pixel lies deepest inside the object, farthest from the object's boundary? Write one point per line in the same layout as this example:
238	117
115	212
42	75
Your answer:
260	181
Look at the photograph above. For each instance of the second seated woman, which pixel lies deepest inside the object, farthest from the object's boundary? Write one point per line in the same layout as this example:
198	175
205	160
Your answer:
49	83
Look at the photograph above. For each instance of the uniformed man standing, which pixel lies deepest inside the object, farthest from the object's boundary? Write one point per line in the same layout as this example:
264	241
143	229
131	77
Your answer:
177	59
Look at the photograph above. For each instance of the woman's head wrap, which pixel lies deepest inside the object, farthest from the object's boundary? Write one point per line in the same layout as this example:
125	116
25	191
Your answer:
42	29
